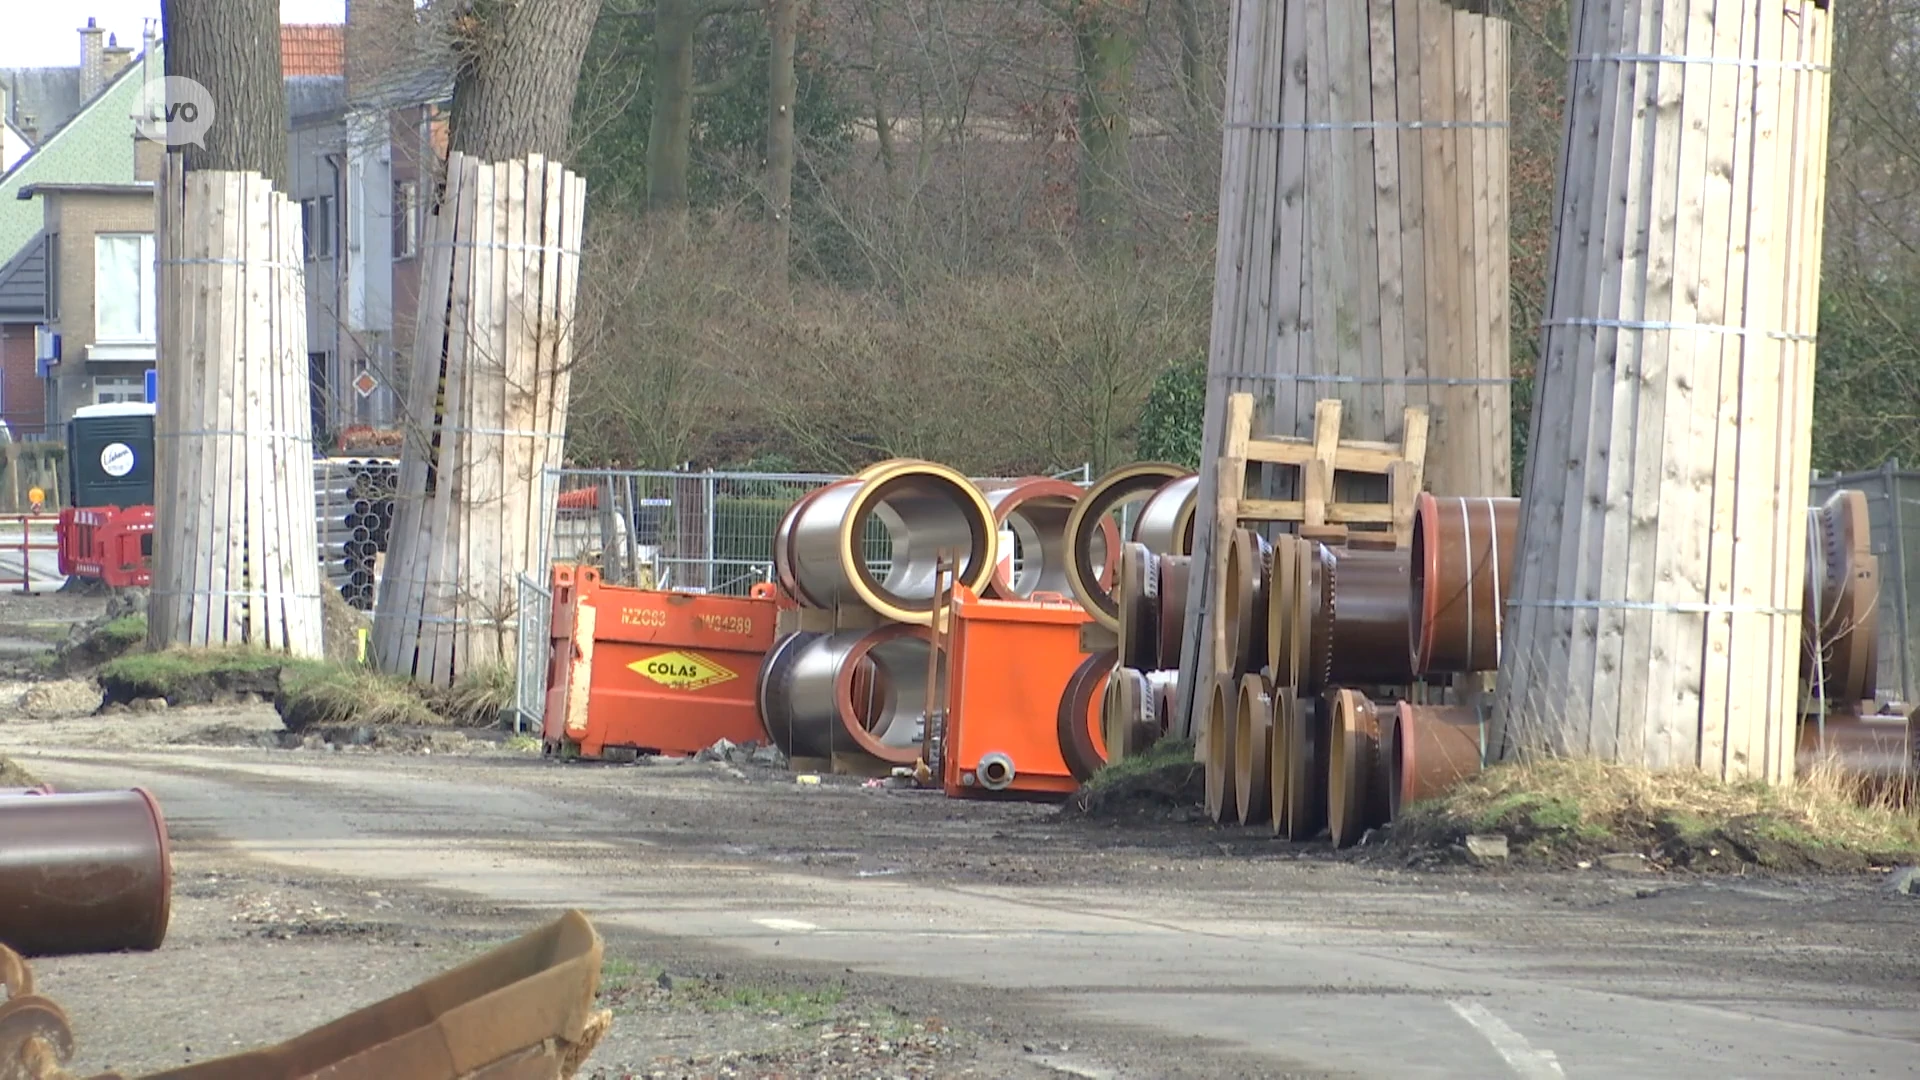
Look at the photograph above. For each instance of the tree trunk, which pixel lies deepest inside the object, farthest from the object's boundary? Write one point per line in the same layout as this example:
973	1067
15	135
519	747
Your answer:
669	139
519	65
1106	40
1193	63
232	47
780	85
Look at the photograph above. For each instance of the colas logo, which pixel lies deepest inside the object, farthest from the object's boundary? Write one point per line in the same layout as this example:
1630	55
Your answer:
681	671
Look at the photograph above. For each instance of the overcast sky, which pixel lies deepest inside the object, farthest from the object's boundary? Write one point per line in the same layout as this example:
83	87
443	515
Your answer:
44	33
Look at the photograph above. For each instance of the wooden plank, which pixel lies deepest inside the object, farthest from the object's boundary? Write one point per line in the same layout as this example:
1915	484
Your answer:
255	364
1317	475
1440	176
1322	272
1497	397
1464	415
1349	455
1392	364
1363	365
220	584
1292	305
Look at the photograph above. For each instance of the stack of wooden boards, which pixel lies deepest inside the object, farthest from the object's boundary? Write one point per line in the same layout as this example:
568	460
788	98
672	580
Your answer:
492	357
1658	596
234	529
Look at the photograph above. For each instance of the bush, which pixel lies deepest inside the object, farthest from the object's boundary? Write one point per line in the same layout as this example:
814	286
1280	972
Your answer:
1171	421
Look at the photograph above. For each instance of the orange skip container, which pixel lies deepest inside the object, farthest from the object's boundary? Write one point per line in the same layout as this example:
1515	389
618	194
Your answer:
642	671
1009	664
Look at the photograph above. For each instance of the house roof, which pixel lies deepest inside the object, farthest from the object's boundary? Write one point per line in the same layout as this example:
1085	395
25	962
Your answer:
315	95
94	147
51	95
313	49
23	283
130	187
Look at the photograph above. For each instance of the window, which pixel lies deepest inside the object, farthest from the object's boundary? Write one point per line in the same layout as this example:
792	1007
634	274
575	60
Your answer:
123	302
406	218
316	228
119	390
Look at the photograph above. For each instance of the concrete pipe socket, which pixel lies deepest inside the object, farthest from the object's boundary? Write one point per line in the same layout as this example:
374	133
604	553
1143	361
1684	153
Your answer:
1129	716
1356	783
783	545
1078	720
1165	523
1428	749
1839	630
1175	571
799	694
1461	567
1223	706
1878	756
1300	604
84	873
914	511
1138	591
1248	573
1253	751
1109	496
1032	516
1300	762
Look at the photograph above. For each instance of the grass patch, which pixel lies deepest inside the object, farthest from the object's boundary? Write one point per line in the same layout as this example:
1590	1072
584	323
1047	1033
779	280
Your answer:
1166	752
478	698
1563	810
523	744
318	695
123	633
183	675
792	1004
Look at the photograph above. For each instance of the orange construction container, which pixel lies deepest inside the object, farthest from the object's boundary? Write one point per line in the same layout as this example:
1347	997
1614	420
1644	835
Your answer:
1009	665
639	671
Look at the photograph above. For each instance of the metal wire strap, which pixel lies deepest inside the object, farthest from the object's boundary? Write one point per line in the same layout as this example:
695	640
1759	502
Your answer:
1364	380
263	433
523	433
487	245
1701	328
1368	125
265	594
266	263
1655	606
1722	61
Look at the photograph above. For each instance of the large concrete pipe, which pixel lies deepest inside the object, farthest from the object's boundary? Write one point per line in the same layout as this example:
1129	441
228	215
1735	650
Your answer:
925	510
1247	575
84	873
1253	751
1839	610
1428	749
1165	523
1356	783
1138	592
849	691
1078	721
783	544
1300	765
1175	572
1880	753
1033	513
1110	493
1223	705
1461	566
1368	618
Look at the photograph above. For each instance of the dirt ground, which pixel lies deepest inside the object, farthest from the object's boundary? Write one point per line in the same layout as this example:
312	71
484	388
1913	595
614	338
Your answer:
313	879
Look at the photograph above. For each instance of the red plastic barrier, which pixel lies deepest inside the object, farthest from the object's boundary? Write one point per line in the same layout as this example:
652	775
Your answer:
107	543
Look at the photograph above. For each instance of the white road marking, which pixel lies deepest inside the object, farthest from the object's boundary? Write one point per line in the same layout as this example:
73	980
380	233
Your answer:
1519	1054
789	925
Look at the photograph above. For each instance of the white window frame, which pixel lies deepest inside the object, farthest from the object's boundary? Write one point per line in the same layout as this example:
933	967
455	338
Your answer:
146	333
406	219
119	389
317	209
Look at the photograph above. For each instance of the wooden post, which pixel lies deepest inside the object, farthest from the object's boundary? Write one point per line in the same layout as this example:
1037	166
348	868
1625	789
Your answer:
234	529
1364	152
1656	600
491	376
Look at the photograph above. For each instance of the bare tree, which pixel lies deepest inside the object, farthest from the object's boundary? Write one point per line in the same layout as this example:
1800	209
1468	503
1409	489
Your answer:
232	47
784	19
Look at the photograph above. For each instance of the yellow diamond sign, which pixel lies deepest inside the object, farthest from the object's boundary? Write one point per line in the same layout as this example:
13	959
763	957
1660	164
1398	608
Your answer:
681	670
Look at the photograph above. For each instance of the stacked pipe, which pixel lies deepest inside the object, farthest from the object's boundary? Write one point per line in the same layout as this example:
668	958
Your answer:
867	547
1144	598
354	505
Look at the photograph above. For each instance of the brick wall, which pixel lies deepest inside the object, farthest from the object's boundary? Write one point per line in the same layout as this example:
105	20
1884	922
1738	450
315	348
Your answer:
23	397
75	218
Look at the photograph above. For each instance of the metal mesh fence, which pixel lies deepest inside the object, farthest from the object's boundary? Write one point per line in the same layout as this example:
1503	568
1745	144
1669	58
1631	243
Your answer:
1893	515
530	670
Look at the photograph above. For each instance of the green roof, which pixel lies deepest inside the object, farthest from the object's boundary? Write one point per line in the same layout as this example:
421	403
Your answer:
95	147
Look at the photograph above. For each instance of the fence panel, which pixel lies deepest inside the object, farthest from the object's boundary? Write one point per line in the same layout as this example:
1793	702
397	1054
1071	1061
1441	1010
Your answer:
530	670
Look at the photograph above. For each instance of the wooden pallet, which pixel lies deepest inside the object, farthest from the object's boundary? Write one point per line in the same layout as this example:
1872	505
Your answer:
1318	460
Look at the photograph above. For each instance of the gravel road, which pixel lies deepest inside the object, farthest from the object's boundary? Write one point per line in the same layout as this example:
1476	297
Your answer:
1017	942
